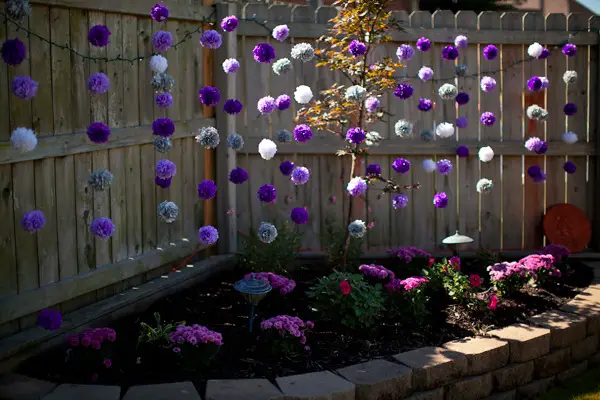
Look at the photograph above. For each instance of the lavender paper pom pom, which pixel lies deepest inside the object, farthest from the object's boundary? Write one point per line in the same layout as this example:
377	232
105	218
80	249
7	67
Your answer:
355	135
399	201
425	105
569	49
300	175
286	167
232	106
401	165
281	32
209	96
462	151
33	221
450	53
570	109
444	167
164	100
24	87
488	84
302	133
536	145
372	104
488	118
163	127
357	48
357	186
102	227
570	167
267	193
425	74
423	44
461	41
211	39
162	40
299	215
228	24
462	98
99	35
405	52
490	52
13	51
238	176
373	169
159	12
404	91
440	200
266	105
98	132
283	102
231	65
165	169
208	235
98	83
263	53
462	122
207	189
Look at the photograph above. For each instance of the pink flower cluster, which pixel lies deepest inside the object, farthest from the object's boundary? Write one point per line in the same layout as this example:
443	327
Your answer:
285	324
195	335
536	263
92	338
408	253
406	285
504	270
282	283
376	271
555	250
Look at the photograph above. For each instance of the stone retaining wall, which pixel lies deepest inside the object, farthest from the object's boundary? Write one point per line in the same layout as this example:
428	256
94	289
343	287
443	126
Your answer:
519	361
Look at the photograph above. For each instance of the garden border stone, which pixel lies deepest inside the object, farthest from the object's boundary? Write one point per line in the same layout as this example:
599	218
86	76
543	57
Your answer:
87	392
457	369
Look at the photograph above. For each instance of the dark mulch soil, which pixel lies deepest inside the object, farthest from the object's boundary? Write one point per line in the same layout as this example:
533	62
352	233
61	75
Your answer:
215	304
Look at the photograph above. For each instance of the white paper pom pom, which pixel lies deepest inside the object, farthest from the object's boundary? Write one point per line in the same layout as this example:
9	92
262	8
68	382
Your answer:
569	137
303	94
267	149
535	50
158	63
486	154
484	186
429	165
448	91
23	139
444	130
570	77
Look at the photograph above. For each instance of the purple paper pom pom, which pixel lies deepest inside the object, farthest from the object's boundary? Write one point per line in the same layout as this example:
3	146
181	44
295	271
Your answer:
165	169
267	193
355	135
99	35
159	12
164	100
372	104
13	51
281	32
423	44
570	109
163	127
209	96
264	53
24	87
545	54
490	52
405	52
302	133
163	183
462	122
300	175
50	319
440	200
33	221
401	165
404	91
569	50
211	39
399	201
357	48
266	105
98	83
536	173
162	40
233	106
98	132
286	167
228	24
373	169
208	235
238	175
102	228
462	151
570	167
444	167
534	84
425	105
536	145
299	215
488	118
462	98
283	102
207	189
450	53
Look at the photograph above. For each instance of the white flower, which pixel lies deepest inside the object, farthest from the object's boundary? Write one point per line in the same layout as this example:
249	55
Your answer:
448	91
486	154
23	139
158	63
208	137
444	130
403	128
282	66
267	232
429	165
356	93
267	149
570	77
484	185
536	112
569	137
303	94
303	52
425	74
357	228
373	139
535	50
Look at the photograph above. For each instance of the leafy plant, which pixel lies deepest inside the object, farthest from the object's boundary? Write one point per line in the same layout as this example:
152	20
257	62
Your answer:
334	241
348	299
156	335
446	275
273	257
487	257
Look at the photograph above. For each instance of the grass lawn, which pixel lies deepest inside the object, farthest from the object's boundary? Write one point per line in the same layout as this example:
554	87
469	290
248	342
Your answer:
584	387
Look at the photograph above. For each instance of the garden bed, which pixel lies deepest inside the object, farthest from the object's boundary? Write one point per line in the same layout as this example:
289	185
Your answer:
215	304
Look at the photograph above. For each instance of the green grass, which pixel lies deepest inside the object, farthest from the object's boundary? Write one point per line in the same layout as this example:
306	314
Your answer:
584	387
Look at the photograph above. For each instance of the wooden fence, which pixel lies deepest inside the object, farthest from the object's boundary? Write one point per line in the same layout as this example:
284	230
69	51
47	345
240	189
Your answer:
510	217
64	264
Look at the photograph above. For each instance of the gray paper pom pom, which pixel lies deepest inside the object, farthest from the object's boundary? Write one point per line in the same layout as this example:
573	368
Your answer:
163	82
208	137
284	136
426	136
235	141
162	144
462	70
100	180
168	211
267	232
18	9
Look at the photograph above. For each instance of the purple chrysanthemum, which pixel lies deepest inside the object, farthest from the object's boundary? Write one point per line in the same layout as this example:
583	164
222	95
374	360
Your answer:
207	189
490	52
401	165
162	40
238	175
228	24
98	83
299	215
98	132
300	175
536	173
440	200
164	100
267	193
163	183
264	53
211	39
209	96
488	118
534	84
404	91
302	133
165	169
462	151
50	319
462	98
450	53
283	102
13	51
570	109
570	167
24	87
425	105
536	145
355	135
357	48
232	106
462	122
444	167
163	127
423	44
33	221
405	52
399	201
373	169
159	12
102	227
99	35
266	105
569	49
286	167
208	235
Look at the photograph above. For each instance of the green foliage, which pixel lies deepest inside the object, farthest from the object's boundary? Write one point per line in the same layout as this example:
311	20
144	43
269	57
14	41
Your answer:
486	257
445	276
273	257
361	308
334	240
410	307
156	335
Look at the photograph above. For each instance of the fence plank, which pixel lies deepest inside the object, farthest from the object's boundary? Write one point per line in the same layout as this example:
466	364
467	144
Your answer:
4	94
594	111
8	272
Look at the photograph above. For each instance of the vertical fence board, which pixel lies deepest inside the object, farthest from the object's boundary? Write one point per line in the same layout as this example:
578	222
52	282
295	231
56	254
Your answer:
4	94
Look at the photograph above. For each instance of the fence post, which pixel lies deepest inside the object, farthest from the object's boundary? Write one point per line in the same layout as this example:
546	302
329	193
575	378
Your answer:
226	157
594	26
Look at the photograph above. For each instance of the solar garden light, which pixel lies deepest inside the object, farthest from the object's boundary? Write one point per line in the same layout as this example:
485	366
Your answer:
456	241
253	290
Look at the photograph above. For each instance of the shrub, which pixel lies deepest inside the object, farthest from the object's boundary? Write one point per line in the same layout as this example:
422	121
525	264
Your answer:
286	334
408	299
272	257
156	335
412	259
508	277
348	299
540	269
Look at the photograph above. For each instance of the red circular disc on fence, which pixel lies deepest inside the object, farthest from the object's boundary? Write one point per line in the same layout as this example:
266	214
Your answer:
567	225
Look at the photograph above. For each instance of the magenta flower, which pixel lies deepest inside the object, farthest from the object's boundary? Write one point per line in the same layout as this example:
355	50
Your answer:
283	102
423	44
569	49
534	84
488	118
490	52
357	48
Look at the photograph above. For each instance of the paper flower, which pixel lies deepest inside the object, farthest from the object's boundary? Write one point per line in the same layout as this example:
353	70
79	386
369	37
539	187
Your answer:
535	50
263	53
267	193
488	84
211	39
484	185
168	211
429	165
357	48
207	189
13	51
373	169
33	221
357	186
444	167
372	104
267	233
98	132
281	32
282	66
286	167
102	228
100	180
356	93
208	235
399	201
536	174
569	137
461	42
23	139
490	52
462	122
536	145
18	9
158	63
235	141
462	151
570	167
444	130
450	53
461	70
423	44
284	136
570	77
163	100
300	175
488	118
165	169
162	82
233	106
267	149
405	52
299	215
357	228
231	65
238	176
303	52
426	136
283	102
303	94
536	112
209	137
534	84
447	91
404	91
355	135
228	24
373	138
403	128
425	74
486	154
425	105
570	109
266	105
401	165
302	133
162	144
159	13
24	87
440	200
163	127
209	96
99	35
162	40
569	49
462	98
